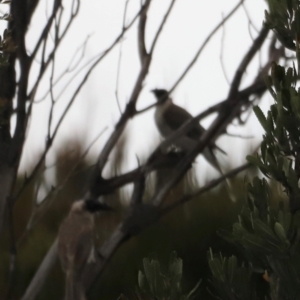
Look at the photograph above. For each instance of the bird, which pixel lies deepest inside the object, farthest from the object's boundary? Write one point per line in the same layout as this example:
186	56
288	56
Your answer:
75	244
169	117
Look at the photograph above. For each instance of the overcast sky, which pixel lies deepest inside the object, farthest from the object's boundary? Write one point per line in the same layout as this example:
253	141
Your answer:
96	107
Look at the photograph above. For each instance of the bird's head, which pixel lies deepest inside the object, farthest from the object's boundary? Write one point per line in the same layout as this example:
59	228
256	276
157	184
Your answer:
161	95
94	205
89	205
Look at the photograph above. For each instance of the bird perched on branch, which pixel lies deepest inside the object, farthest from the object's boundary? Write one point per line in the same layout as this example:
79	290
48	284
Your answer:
75	244
170	117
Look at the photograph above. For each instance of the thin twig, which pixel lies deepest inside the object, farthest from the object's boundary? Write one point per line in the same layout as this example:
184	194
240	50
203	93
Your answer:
56	6
161	26
72	66
191	64
221	54
120	59
245	62
50	56
249	20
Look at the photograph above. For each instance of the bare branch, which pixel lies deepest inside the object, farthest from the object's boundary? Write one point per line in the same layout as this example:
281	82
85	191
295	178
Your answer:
221	54
161	26
245	62
42	273
45	64
141	33
191	64
44	34
119	61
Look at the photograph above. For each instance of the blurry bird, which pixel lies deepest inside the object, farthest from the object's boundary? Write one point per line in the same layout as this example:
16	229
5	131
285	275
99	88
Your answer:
75	244
169	117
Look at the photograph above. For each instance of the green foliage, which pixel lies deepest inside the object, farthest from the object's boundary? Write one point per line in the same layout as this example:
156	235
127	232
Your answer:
268	236
230	279
284	18
157	285
281	143
268	240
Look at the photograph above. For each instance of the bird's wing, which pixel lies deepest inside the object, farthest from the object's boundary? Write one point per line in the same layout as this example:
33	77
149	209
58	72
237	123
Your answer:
176	116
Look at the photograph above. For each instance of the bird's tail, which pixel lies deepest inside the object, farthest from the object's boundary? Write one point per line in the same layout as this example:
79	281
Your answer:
74	290
212	159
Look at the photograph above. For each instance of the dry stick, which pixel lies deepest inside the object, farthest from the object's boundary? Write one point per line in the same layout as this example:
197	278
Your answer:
41	275
51	81
221	54
119	60
64	88
56	6
204	44
45	64
162	24
72	66
249	21
245	62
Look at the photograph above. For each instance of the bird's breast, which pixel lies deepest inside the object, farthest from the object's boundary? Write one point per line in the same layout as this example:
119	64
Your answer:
161	124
